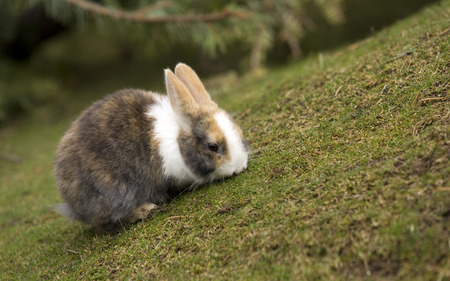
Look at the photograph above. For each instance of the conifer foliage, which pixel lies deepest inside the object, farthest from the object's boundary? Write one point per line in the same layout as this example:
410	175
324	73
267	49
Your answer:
212	25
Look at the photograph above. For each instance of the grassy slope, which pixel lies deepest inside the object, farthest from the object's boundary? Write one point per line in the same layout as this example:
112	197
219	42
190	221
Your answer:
349	179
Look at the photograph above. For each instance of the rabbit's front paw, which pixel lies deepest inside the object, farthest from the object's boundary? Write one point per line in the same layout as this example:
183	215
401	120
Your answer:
141	212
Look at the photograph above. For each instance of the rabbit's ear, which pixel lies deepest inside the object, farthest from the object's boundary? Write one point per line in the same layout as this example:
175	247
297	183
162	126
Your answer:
181	99
188	76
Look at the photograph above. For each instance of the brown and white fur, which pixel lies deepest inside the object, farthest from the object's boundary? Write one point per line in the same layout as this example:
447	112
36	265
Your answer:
134	149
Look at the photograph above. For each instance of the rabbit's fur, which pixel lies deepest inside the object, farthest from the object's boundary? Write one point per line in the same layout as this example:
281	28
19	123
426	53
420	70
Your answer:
134	149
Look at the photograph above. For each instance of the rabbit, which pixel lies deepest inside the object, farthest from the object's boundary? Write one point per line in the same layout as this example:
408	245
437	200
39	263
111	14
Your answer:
135	149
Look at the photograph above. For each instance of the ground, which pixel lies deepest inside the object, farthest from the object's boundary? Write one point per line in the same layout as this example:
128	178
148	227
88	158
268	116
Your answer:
348	178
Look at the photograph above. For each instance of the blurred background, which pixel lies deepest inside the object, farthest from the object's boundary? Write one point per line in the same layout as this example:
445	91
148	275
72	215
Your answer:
57	54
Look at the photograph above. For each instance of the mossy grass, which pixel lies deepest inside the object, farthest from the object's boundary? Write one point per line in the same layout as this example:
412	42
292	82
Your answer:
348	179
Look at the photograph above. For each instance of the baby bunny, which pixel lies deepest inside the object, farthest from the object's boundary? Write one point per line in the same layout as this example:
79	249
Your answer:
133	149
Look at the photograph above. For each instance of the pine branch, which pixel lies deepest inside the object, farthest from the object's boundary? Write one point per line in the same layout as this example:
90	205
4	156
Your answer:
139	17
149	8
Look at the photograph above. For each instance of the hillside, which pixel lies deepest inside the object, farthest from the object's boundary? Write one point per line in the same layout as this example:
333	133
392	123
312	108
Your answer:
348	179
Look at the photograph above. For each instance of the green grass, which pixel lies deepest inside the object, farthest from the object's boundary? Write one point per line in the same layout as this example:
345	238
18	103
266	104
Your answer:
348	179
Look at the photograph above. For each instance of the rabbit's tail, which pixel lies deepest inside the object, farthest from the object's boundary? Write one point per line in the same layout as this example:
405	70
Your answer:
65	210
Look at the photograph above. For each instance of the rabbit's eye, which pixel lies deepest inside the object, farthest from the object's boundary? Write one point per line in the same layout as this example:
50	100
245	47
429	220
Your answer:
213	146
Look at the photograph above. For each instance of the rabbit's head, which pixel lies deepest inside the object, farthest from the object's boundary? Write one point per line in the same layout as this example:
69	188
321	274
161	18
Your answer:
210	143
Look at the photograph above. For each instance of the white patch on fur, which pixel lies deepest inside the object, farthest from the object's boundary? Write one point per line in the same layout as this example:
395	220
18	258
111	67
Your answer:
236	149
166	128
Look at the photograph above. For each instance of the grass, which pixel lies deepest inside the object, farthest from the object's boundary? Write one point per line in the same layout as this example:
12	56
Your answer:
349	179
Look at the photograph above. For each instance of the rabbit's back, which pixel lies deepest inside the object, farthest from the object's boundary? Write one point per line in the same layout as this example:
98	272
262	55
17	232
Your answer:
107	163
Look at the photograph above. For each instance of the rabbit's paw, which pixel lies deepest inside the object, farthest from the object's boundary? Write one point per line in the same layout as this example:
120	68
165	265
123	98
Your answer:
141	212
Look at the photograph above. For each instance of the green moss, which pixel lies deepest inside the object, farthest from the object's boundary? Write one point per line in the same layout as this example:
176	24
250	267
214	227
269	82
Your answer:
348	179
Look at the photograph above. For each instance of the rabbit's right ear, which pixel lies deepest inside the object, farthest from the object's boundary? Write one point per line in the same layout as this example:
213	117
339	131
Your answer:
181	100
188	76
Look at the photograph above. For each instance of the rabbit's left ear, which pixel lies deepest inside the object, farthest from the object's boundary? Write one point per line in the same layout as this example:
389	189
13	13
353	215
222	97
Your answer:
190	79
181	100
